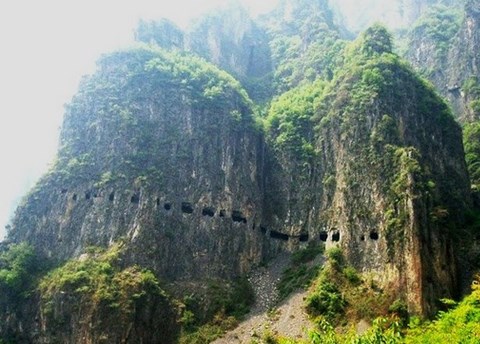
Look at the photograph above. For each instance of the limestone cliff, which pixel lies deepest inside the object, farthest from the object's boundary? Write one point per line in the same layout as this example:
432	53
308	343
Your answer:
386	180
165	156
443	46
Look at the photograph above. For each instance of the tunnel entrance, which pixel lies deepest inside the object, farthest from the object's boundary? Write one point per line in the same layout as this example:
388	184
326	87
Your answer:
374	235
323	236
303	237
208	211
187	208
135	199
237	216
336	237
278	235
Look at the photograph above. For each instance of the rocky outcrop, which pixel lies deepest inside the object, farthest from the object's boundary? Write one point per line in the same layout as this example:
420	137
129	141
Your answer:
228	38
400	184
397	14
161	150
443	47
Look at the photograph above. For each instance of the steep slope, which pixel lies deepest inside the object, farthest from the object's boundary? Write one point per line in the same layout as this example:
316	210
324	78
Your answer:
159	149
305	43
161	155
395	181
443	46
228	38
397	14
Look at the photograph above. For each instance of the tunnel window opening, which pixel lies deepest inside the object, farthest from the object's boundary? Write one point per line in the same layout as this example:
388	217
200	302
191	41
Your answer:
222	213
362	238
336	237
157	202
187	208
167	206
374	235
135	199
263	230
88	195
74	197
278	235
237	216
303	237
323	236
208	211
111	197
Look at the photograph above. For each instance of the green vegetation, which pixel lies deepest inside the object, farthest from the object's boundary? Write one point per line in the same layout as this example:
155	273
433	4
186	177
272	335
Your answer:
439	25
458	325
471	130
125	80
301	272
19	268
97	280
471	141
289	121
305	49
340	295
220	309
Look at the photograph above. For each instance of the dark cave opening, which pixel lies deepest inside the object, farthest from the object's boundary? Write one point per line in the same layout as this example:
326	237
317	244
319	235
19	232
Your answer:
263	230
167	206
303	237
64	191
74	197
157	201
88	195
208	211
362	238
323	236
336	237
187	208
237	216
278	235
135	199
222	213
374	235
111	197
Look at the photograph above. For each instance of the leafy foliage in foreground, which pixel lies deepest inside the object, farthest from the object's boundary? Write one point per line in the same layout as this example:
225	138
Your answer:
460	324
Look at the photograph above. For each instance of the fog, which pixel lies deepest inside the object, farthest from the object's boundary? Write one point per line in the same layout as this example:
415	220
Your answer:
46	48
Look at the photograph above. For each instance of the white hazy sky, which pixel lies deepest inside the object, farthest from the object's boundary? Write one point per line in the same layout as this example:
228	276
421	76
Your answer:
46	46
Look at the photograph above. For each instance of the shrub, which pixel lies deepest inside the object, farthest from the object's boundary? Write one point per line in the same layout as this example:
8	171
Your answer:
326	301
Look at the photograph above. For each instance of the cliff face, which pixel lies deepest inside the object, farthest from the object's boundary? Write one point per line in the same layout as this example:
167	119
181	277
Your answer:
443	47
161	150
384	148
162	154
228	38
396	14
385	181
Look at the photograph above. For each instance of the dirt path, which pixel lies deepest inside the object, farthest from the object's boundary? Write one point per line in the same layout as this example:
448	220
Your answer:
287	319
